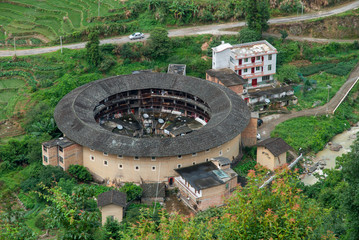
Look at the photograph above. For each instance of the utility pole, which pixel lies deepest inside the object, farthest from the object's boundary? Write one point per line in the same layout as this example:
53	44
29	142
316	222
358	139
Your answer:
302	7
14	46
98	8
61	43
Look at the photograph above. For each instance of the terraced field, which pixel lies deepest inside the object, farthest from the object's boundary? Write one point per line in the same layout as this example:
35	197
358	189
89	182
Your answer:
47	20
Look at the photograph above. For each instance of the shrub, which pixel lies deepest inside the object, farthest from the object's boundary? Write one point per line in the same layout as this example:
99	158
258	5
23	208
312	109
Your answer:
132	191
80	173
288	74
41	220
248	35
106	63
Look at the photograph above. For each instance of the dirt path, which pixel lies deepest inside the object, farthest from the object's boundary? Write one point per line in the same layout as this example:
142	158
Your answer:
215	29
272	121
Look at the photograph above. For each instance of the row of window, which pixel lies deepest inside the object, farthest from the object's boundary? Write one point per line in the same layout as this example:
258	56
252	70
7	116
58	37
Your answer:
257	69
153	158
258	58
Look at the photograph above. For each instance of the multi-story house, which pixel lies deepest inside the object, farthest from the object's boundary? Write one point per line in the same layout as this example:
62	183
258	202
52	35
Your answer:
255	62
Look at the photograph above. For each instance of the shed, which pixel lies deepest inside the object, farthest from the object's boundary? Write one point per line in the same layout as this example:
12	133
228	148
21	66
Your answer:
112	204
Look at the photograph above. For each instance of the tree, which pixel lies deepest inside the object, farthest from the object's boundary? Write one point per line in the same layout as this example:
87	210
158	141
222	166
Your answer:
80	173
248	35
159	44
112	229
76	213
257	14
93	49
132	191
284	34
280	211
288	73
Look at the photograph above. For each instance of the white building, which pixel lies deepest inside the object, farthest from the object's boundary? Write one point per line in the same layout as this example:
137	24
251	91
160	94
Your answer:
254	61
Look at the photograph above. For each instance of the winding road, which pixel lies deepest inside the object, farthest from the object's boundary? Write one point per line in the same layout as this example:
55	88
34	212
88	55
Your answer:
215	29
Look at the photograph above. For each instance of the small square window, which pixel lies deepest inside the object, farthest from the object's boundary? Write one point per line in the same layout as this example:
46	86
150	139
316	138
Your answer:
119	156
105	163
45	159
61	159
179	165
61	149
194	163
136	158
207	160
179	156
258	68
258	58
270	57
45	148
246	60
91	149
92	158
207	150
245	70
137	168
153	168
269	67
153	158
194	154
228	149
220	153
120	166
105	154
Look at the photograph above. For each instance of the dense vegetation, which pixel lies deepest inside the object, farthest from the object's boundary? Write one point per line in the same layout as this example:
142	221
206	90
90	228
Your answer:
37	22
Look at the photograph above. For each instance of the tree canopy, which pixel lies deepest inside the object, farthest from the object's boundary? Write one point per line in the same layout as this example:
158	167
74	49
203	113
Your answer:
159	44
257	14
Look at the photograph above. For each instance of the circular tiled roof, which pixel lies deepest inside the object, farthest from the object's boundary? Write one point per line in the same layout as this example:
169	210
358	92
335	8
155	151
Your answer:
75	117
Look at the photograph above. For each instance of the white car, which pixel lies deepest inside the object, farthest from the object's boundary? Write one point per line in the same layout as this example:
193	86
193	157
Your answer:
136	35
259	136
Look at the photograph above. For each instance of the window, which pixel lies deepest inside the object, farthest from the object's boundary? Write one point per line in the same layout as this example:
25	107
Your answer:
105	163
179	165
270	57
153	168
153	158
194	163
228	149
137	168
264	78
45	148
61	149
179	156
245	70
136	158
61	159
207	150
105	153
91	149
269	67
207	160
232	60
258	58
246	60
119	156
227	186
92	158
194	154
120	166
45	159
220	153
258	68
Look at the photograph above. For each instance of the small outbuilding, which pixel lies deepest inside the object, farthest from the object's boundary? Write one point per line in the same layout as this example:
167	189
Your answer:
153	192
272	153
112	204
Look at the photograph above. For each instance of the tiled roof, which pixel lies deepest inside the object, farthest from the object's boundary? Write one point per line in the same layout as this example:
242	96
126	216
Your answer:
276	146
112	197
226	76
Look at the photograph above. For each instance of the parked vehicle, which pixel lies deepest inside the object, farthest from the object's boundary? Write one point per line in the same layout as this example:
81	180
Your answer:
136	35
259	136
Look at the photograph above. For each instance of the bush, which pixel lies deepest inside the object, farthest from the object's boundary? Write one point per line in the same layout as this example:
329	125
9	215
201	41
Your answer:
132	191
288	74
80	173
106	63
41	220
248	35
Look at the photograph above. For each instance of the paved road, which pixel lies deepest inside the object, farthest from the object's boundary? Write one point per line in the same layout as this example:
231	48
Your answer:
215	29
272	121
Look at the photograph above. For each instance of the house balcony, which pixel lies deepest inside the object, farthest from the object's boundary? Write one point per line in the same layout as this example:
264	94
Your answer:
188	189
251	65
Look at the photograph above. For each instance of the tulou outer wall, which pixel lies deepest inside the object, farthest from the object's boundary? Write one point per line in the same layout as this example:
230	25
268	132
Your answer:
129	169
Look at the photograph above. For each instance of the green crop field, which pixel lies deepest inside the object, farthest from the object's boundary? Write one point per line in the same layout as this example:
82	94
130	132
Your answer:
50	19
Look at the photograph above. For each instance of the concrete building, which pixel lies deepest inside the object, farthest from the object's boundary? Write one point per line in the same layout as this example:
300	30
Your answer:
272	153
112	204
255	61
206	184
227	77
129	128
